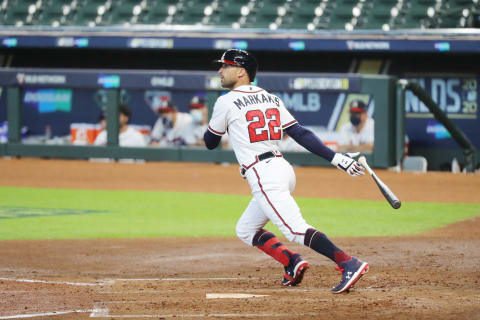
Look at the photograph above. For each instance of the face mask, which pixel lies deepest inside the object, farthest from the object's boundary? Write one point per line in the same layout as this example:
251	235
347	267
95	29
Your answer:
197	116
355	119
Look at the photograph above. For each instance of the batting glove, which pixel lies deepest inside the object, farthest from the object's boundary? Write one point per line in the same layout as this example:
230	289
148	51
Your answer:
346	163
242	172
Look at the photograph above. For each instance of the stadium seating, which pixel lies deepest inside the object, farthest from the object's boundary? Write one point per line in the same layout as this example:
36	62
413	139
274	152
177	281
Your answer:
263	17
229	14
157	14
88	15
123	14
21	13
192	14
416	15
300	18
273	14
377	16
54	15
341	14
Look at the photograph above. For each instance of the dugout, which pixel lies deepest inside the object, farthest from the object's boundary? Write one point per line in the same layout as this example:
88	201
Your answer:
316	100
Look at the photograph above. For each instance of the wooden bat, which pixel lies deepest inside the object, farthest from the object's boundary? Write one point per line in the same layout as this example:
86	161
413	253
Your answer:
387	193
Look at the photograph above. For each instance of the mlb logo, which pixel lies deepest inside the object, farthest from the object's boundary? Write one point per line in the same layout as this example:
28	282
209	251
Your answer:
158	99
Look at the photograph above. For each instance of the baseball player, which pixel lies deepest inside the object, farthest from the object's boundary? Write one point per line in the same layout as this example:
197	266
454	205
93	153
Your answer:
173	128
255	121
128	136
199	113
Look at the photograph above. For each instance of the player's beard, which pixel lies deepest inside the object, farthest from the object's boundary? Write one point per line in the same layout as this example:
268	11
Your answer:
228	84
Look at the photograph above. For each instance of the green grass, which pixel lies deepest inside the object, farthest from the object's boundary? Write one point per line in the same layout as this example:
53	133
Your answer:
134	214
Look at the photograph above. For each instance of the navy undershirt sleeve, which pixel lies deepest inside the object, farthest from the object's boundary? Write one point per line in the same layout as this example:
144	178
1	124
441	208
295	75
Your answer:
310	141
211	140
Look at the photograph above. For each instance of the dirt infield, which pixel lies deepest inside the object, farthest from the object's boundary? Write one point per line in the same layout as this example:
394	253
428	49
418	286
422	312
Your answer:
430	276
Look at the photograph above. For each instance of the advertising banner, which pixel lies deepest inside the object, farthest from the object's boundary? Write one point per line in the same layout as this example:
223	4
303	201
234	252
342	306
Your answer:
457	96
48	100
323	41
103	79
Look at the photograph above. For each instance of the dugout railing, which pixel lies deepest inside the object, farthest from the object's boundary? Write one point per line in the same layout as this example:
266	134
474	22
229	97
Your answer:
315	99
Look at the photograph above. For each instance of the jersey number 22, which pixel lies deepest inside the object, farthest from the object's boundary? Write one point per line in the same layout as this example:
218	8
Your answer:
257	125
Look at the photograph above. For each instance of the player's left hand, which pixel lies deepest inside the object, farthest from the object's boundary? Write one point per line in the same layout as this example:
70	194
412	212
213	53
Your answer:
345	162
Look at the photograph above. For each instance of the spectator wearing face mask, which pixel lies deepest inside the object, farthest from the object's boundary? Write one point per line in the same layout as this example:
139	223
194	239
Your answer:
358	133
199	113
172	127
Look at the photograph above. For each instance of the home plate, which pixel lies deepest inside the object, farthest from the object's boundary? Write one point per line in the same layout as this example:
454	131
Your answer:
234	295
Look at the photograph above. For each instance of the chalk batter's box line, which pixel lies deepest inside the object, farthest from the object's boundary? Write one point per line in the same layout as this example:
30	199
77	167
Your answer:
188	279
112	281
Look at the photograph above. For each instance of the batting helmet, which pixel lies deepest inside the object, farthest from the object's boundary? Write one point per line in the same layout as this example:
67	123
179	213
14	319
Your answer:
240	58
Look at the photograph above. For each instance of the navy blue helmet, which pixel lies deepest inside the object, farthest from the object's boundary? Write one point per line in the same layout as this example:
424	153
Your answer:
240	58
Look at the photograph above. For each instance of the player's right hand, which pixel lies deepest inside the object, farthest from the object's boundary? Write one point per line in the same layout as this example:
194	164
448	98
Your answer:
345	162
242	173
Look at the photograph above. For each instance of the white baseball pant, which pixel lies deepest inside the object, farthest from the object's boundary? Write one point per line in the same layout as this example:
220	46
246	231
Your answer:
272	182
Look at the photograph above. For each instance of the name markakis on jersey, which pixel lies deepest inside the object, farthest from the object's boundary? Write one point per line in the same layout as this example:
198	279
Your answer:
254	99
294	101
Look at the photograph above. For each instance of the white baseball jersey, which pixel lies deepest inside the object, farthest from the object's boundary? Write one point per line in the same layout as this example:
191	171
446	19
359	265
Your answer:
254	119
349	134
179	134
128	138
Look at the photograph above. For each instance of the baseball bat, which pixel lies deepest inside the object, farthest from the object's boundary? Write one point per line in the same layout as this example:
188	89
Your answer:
387	193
